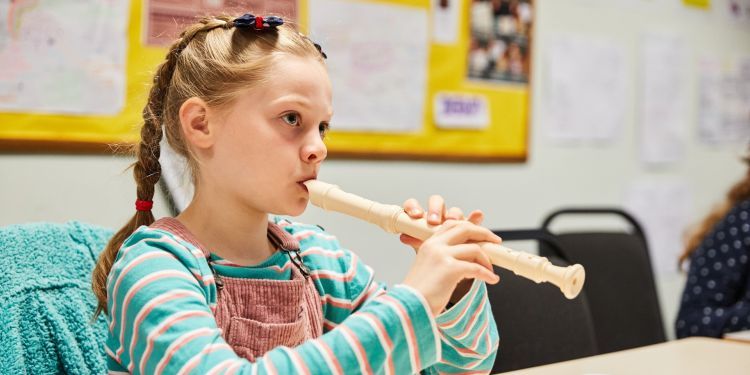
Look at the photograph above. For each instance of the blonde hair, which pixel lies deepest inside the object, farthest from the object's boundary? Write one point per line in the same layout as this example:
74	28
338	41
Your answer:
739	192
212	60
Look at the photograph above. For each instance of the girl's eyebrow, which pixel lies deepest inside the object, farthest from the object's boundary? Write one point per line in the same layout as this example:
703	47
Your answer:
296	99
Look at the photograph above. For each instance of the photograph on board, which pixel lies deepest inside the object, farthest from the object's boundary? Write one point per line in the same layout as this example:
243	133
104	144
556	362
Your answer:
500	40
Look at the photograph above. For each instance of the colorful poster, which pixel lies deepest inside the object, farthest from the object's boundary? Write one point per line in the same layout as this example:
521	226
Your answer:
500	40
378	73
166	18
53	62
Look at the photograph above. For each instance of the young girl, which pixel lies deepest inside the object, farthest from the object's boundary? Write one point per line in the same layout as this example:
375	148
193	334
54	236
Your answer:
221	289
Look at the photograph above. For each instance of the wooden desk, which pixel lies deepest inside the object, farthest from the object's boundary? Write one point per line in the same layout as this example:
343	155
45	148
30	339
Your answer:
696	355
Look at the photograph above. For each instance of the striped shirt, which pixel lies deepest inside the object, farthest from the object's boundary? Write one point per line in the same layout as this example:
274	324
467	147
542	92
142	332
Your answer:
162	296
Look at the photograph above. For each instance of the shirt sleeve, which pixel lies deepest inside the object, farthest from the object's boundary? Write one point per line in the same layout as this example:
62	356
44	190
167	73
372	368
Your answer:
716	298
160	321
467	331
468	334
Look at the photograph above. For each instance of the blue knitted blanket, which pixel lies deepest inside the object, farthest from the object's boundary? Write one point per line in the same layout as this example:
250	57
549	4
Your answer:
46	303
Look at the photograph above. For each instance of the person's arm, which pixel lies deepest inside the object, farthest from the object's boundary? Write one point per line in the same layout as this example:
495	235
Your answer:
160	322
716	298
467	331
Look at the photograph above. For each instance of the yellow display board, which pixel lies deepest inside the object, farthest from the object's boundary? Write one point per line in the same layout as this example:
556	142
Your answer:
503	139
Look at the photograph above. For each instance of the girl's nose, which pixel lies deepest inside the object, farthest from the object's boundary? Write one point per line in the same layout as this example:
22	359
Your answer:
314	150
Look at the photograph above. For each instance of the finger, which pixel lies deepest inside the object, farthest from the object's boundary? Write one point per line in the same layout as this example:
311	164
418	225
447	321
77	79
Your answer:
410	241
413	209
436	210
474	271
465	231
476	217
472	253
454	213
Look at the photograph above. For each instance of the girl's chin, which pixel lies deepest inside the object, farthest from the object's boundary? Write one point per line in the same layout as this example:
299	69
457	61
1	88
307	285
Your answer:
294	210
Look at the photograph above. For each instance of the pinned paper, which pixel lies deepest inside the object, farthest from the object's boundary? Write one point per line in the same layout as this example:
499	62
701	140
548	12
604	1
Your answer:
445	21
585	98
663	101
379	73
461	111
663	209
53	62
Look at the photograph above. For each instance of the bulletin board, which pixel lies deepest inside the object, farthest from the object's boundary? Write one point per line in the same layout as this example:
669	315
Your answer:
450	76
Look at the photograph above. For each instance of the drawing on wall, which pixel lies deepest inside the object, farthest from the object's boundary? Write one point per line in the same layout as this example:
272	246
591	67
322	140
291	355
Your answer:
53	63
165	18
500	40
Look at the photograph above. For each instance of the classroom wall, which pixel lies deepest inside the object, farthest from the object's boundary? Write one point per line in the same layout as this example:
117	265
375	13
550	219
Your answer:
97	189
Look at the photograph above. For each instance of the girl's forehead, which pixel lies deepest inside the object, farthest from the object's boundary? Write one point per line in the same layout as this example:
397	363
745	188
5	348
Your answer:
297	80
294	75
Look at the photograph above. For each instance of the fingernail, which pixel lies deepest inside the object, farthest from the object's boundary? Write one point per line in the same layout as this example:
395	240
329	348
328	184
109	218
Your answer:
415	211
434	217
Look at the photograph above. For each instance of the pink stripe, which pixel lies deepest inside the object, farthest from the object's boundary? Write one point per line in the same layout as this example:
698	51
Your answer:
472	348
190	365
411	338
137	287
336	302
362	357
299	236
269	366
146	310
329	325
348	276
458	317
472	320
377	324
222	365
178	344
166	324
140	259
329	355
478	359
323	252
367	294
299	362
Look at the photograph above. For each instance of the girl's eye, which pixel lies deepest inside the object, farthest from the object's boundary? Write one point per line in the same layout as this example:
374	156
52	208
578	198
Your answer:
323	129
291	118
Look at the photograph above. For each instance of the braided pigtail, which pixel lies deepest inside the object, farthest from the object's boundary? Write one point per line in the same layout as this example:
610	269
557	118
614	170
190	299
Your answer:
147	170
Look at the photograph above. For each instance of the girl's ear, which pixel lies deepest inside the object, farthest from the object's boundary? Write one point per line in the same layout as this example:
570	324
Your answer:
195	125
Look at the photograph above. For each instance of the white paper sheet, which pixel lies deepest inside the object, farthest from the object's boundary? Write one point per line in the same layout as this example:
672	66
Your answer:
663	106
663	209
63	56
724	101
445	21
377	62
585	92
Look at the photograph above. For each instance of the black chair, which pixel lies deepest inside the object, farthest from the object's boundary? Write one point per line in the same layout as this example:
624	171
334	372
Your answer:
537	324
619	284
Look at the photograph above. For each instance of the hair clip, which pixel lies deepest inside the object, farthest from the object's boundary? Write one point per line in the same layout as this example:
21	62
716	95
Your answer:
320	49
258	23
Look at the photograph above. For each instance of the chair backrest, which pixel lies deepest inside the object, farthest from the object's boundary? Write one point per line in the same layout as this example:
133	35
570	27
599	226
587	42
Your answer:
46	302
620	283
537	324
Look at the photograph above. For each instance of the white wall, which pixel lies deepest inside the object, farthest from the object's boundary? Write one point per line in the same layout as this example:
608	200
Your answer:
95	189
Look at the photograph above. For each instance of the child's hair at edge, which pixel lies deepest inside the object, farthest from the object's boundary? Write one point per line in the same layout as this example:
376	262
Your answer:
212	60
739	192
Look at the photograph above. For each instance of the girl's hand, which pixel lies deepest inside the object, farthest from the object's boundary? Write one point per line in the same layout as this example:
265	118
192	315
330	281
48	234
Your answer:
436	215
448	257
